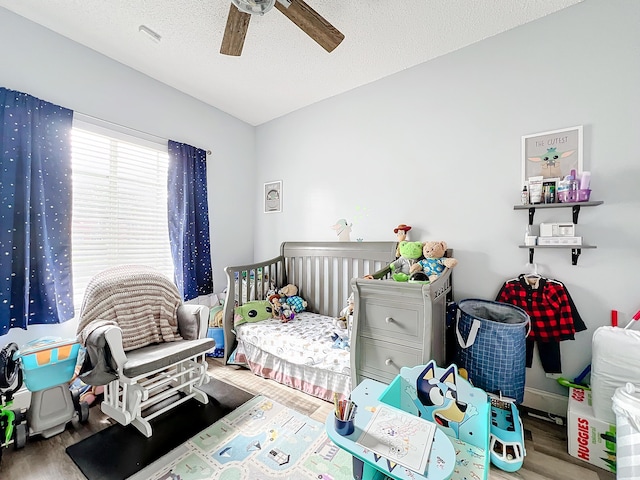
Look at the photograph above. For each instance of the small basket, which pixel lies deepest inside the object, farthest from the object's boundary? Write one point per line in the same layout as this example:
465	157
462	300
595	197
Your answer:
570	196
583	195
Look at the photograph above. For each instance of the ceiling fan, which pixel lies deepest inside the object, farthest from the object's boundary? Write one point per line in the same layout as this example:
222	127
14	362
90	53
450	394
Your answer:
305	17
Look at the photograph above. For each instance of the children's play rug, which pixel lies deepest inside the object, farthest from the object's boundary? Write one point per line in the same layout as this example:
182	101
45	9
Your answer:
261	439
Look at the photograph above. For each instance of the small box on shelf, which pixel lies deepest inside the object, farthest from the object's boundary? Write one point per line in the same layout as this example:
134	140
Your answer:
557	230
560	241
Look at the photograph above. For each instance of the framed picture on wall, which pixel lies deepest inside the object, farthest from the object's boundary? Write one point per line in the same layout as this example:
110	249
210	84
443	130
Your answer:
273	196
552	154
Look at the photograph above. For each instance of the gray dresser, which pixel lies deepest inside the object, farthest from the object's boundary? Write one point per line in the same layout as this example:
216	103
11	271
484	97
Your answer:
397	324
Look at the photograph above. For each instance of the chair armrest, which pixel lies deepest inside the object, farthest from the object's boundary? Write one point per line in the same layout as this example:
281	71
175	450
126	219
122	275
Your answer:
193	321
113	336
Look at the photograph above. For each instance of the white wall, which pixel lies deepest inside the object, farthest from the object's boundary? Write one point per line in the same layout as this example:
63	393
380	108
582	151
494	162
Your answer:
438	147
55	69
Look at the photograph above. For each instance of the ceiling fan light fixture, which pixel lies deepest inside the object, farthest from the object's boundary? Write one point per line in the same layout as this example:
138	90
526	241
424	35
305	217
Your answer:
254	7
301	14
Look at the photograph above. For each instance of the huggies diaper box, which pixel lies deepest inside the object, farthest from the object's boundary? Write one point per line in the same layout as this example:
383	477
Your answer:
590	439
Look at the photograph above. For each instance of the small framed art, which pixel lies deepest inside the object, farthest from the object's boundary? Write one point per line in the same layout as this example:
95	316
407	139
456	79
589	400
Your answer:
552	154
273	196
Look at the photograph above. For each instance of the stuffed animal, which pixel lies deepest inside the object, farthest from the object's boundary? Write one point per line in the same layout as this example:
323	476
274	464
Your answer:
289	295
281	310
410	253
286	313
288	290
340	341
401	234
348	310
342	321
434	261
276	305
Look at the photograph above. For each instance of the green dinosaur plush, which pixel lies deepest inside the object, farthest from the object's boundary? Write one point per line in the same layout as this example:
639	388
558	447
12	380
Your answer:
410	253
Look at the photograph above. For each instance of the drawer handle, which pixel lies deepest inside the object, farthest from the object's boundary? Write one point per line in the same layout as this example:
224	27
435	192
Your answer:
388	362
388	320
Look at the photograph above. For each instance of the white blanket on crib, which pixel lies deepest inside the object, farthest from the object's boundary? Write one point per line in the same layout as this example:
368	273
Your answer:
299	354
306	340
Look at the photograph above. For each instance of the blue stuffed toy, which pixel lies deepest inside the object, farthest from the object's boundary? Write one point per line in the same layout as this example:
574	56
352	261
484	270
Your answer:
340	342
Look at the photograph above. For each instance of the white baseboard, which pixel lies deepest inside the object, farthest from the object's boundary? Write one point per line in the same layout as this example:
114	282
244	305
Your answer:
551	403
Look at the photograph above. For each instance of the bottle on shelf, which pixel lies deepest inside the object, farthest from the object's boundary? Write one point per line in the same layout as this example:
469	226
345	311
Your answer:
524	198
573	182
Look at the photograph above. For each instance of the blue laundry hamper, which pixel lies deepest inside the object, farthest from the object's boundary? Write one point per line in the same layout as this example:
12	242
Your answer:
492	346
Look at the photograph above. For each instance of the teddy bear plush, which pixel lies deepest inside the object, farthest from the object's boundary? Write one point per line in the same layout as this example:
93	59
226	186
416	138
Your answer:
410	253
434	261
289	295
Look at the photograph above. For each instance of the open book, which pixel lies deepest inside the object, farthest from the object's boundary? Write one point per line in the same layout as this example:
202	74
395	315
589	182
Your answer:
399	437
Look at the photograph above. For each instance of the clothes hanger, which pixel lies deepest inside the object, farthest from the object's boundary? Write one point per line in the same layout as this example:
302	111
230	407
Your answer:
533	277
533	271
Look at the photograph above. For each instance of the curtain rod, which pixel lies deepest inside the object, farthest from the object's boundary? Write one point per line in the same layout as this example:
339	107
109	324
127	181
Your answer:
92	119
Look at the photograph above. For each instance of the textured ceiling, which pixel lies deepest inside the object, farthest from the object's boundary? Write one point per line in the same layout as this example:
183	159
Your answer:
281	69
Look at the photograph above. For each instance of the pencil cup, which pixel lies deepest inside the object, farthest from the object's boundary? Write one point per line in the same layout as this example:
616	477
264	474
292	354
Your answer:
344	427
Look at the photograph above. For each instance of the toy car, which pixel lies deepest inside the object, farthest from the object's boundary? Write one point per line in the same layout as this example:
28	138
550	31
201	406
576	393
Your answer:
506	439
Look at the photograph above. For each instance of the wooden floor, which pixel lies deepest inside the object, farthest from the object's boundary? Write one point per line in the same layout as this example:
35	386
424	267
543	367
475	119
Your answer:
546	442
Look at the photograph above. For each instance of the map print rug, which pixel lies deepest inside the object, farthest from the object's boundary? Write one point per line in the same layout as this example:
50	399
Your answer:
260	439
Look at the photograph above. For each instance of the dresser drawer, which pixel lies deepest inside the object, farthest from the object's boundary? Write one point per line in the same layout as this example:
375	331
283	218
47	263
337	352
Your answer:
393	320
382	360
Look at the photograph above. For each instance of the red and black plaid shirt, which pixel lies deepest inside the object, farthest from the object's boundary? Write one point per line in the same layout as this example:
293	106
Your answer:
553	315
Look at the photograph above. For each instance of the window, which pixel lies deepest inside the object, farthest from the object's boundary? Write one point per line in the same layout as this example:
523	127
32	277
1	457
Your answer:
119	203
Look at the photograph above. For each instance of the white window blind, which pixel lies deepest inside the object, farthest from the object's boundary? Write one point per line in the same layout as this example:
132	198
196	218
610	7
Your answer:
119	204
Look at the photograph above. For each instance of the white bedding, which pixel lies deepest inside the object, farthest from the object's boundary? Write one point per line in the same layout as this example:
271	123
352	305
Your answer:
299	353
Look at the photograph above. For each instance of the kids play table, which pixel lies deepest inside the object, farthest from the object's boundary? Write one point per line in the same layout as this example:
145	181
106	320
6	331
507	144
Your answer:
369	466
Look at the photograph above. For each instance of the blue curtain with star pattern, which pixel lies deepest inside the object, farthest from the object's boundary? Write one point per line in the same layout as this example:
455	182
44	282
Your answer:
189	220
35	212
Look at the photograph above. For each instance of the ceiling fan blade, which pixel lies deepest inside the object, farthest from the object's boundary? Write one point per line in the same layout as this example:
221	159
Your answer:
312	23
235	32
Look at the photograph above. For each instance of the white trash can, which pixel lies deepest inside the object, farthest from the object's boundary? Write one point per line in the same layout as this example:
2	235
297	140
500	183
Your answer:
626	406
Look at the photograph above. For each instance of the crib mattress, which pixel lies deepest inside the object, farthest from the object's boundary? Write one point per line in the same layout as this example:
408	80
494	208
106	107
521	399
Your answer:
299	353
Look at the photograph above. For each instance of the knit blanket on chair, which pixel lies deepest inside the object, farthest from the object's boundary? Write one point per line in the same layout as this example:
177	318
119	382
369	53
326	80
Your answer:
138	299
